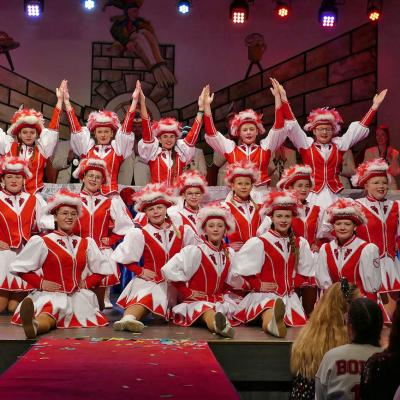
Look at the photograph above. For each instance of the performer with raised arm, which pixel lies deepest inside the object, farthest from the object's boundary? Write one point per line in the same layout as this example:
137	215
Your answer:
101	217
246	126
20	217
324	152
161	146
240	177
270	263
202	274
103	137
382	227
157	241
28	139
61	267
347	255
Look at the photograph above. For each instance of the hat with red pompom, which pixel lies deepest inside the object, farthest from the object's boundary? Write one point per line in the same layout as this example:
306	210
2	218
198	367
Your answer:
191	179
346	209
88	164
280	200
247	116
106	119
166	125
215	211
26	118
242	168
324	116
370	169
63	198
293	174
153	194
15	166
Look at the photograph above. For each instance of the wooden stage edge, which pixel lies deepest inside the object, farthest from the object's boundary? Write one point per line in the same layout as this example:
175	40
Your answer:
252	360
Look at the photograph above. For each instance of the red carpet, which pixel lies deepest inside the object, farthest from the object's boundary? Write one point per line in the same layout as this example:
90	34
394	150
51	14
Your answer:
62	369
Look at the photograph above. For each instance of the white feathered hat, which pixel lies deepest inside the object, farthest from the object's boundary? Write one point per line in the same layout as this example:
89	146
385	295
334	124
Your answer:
246	116
368	170
215	211
166	125
16	166
63	198
152	194
107	119
280	200
346	209
322	116
242	168
293	174
26	118
191	179
88	164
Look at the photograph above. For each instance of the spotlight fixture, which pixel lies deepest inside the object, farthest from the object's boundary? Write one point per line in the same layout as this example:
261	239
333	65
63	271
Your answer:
282	8
89	4
374	9
183	7
328	13
239	11
33	8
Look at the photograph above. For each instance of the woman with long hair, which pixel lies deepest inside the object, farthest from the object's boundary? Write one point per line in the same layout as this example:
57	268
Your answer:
270	263
325	330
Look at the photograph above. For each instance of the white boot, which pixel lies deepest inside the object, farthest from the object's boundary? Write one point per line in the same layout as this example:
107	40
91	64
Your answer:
276	326
107	301
27	313
128	323
222	326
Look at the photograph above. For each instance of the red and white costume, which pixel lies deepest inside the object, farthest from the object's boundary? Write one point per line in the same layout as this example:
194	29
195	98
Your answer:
167	165
270	259
20	216
383	226
206	269
189	179
325	159
156	246
120	148
356	260
259	155
67	260
37	154
246	213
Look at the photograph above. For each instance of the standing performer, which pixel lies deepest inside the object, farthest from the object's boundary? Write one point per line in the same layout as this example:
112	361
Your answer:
382	227
202	274
161	148
29	140
156	242
270	263
348	256
246	126
20	217
306	224
241	176
101	216
61	267
103	137
324	152
192	187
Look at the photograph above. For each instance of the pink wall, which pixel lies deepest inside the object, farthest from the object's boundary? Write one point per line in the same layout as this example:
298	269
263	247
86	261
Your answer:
208	47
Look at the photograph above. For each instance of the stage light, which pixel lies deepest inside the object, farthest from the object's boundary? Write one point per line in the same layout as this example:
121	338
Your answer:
89	4
374	9
328	13
33	8
183	7
239	11
282	8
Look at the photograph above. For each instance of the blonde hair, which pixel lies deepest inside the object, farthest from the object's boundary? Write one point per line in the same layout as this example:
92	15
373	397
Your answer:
325	330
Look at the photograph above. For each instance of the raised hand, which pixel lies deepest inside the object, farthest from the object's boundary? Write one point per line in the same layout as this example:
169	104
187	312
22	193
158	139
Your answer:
208	99
378	99
276	92
66	96
200	102
60	93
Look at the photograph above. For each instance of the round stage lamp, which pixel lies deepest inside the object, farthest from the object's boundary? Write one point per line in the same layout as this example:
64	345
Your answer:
183	7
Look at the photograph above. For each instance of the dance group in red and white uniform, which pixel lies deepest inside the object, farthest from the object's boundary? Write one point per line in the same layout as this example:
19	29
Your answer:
261	256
